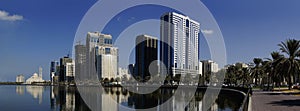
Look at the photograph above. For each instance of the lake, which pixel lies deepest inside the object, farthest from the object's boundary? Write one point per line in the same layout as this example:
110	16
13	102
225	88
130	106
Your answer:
62	98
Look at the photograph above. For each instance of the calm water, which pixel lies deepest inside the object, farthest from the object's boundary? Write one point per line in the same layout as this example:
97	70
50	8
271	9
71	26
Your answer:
54	98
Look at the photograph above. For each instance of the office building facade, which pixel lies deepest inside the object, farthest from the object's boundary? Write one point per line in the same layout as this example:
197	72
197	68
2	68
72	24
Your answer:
93	40
179	44
80	62
53	69
70	71
64	62
107	62
209	66
146	52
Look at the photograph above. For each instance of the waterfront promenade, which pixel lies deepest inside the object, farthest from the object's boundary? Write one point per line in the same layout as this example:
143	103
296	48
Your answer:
274	101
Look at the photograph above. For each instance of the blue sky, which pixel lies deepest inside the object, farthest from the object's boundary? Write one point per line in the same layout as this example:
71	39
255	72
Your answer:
45	32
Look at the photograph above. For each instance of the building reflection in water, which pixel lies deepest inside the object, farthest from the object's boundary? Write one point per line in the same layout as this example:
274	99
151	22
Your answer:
66	99
119	99
20	90
36	92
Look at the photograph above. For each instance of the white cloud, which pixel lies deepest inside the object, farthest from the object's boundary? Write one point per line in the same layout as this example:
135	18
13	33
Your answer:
7	17
208	32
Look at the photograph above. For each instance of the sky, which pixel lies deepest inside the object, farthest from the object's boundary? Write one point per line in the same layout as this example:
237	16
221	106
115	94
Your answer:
35	32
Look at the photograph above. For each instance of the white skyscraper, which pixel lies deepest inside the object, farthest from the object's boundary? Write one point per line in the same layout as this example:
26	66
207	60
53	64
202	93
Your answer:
107	62
179	50
70	71
101	57
93	40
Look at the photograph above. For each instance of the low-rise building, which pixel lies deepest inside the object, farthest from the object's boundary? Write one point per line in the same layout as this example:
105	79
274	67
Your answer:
20	78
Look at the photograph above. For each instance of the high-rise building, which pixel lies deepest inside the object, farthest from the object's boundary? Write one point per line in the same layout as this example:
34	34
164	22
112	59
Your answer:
80	62
131	70
93	40
53	70
179	44
107	62
70	71
146	53
63	65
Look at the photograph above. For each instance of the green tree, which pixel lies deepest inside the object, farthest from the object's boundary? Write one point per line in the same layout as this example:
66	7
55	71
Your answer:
256	70
245	75
291	64
177	78
231	75
277	74
169	79
272	68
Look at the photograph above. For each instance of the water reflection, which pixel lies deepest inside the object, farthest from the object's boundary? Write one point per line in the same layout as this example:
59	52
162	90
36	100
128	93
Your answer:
36	92
20	90
114	99
63	98
66	99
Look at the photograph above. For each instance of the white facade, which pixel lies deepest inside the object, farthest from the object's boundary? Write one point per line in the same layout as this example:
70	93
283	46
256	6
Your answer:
107	62
93	39
20	78
181	33
70	69
214	67
209	66
200	68
101	56
34	78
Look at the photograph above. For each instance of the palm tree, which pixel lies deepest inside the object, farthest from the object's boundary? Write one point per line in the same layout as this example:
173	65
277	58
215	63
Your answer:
256	70
245	77
267	70
274	66
177	78
230	77
291	64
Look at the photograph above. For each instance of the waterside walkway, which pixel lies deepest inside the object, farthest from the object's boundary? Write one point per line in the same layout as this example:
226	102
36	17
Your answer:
274	101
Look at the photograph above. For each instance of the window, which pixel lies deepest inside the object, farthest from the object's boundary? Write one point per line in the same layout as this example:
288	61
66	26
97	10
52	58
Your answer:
187	22
107	50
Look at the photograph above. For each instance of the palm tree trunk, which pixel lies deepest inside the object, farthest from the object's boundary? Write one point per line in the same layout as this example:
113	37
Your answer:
255	80
290	82
268	82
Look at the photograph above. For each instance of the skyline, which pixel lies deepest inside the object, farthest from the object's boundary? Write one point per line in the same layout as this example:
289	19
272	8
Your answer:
257	28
